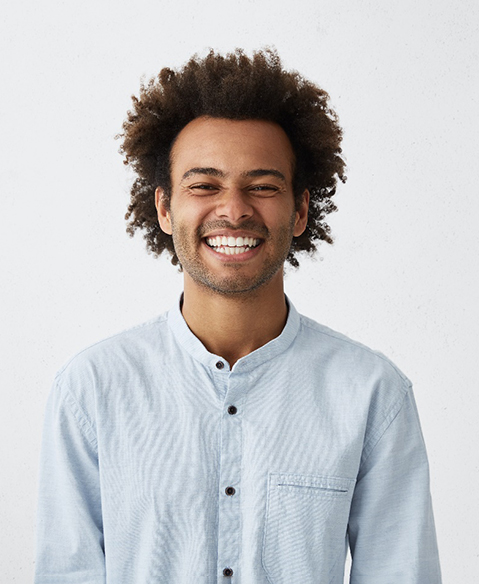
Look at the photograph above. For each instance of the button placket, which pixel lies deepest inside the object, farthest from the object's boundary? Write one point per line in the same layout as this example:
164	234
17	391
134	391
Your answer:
229	513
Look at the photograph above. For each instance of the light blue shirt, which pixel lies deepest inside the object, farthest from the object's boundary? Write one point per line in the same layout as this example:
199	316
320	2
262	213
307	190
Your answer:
162	465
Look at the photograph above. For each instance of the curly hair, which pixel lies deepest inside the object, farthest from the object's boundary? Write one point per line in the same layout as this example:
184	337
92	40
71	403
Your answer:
232	87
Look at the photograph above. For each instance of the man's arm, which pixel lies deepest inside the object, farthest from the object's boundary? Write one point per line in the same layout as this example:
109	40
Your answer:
69	520
391	528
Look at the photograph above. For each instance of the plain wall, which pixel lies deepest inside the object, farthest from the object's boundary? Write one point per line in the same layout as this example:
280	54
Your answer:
402	276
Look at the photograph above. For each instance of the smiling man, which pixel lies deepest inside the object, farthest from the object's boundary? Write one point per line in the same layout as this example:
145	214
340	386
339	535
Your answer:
232	439
232	218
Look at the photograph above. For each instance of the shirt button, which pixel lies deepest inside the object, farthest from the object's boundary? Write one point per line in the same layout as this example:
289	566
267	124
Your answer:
227	572
230	490
232	410
219	365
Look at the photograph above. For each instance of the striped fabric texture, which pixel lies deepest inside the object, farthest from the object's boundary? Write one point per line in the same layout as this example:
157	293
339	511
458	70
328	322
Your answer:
161	464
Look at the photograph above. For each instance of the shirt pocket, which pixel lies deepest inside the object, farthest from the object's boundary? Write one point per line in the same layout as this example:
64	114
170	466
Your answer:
305	527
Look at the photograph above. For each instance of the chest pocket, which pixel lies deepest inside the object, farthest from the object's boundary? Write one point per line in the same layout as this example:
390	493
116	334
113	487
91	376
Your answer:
305	527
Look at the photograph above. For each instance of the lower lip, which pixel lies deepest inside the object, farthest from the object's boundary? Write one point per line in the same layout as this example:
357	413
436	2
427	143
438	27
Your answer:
233	258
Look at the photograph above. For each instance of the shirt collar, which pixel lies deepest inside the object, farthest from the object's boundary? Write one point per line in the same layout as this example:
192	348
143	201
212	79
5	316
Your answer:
198	351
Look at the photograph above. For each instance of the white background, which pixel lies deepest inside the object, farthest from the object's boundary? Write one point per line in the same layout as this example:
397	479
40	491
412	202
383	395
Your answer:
402	276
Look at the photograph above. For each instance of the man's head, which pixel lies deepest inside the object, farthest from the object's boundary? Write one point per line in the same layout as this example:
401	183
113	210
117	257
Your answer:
232	214
232	87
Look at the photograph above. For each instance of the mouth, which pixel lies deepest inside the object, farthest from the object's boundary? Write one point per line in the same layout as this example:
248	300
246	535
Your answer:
232	245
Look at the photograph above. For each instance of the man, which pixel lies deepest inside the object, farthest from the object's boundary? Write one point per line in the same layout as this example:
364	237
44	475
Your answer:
232	439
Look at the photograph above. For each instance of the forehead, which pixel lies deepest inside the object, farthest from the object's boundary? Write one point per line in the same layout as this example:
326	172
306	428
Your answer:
232	146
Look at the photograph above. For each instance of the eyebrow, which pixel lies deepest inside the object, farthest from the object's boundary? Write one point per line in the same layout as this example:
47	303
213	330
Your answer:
264	172
247	174
204	170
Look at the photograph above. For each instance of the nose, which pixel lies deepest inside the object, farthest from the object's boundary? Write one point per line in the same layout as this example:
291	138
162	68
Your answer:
234	205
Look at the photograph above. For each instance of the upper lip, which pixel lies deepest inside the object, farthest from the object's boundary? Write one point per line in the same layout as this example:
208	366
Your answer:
232	233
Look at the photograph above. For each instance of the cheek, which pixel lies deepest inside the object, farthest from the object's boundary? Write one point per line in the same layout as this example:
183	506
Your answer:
191	212
185	229
283	217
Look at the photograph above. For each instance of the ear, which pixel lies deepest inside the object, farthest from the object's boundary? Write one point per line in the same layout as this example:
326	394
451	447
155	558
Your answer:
302	215
164	217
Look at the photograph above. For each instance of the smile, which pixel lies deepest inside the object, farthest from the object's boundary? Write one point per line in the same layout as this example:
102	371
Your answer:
232	245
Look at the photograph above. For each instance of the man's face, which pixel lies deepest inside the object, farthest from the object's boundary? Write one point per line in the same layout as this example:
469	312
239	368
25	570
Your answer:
232	213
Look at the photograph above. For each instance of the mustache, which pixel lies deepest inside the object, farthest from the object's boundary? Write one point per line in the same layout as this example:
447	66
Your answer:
247	225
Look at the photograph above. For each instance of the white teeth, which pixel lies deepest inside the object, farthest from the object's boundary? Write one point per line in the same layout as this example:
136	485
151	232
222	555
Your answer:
232	245
232	241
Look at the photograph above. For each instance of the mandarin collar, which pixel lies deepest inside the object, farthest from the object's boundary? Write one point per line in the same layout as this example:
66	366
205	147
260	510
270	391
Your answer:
198	351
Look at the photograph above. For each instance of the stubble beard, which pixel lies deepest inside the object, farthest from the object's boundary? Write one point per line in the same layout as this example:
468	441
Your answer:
236	284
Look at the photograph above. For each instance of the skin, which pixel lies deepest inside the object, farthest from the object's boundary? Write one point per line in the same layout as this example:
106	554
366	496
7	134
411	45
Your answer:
232	178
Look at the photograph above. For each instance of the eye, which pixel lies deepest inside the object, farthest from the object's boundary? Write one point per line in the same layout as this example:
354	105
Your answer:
203	189
264	190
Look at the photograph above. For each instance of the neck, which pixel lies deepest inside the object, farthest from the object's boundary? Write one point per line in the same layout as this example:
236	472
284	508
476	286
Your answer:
233	326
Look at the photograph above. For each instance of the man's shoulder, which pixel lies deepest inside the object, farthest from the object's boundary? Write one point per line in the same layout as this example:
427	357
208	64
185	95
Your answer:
348	354
132	345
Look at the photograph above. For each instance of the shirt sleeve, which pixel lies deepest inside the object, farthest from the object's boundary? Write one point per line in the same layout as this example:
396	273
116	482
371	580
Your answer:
391	529
69	547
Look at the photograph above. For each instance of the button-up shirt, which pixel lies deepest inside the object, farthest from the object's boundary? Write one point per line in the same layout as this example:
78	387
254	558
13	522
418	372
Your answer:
161	464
